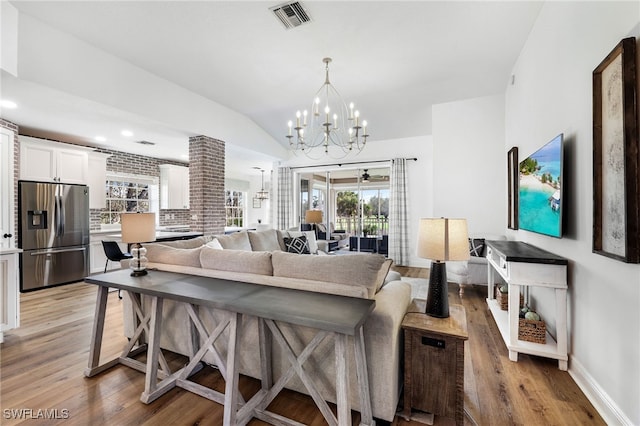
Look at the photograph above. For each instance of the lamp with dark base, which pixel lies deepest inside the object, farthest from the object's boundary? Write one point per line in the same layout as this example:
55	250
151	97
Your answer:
138	228
441	240
438	294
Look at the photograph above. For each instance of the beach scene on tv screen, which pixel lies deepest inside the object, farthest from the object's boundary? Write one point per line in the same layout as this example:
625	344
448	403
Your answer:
539	207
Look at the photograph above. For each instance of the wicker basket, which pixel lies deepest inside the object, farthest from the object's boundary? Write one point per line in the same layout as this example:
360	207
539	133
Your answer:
532	331
503	299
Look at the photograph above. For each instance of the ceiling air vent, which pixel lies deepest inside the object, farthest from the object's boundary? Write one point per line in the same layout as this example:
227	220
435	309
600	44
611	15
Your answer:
146	143
291	14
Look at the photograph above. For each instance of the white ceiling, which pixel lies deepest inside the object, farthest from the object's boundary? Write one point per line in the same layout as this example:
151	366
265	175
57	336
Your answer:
394	59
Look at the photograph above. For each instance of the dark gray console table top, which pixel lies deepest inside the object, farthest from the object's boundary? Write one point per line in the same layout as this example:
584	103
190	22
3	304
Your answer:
328	312
518	251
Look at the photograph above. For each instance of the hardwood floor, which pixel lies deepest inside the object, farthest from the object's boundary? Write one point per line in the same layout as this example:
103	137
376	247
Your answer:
42	364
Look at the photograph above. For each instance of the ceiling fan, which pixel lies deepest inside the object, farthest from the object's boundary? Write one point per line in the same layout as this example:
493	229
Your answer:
366	177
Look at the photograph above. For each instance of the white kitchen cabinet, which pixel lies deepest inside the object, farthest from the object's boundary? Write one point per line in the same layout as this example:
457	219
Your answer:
46	161
174	187
7	223
97	180
9	302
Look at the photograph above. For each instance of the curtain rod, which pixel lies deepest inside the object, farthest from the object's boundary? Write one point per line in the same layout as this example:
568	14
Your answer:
350	163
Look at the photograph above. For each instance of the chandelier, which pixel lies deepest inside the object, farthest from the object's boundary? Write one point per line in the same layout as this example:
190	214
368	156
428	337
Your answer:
329	124
262	194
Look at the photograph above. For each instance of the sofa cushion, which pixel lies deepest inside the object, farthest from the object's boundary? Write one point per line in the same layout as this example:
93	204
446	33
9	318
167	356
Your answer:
235	241
264	240
161	253
252	262
214	244
477	247
296	245
356	269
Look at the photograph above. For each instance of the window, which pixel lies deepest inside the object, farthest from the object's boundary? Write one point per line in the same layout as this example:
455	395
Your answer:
234	207
129	194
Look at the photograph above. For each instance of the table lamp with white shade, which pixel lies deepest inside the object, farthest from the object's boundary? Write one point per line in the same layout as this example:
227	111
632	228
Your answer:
313	217
441	239
138	228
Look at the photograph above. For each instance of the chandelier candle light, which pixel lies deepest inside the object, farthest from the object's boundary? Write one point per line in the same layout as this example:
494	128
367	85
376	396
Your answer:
330	124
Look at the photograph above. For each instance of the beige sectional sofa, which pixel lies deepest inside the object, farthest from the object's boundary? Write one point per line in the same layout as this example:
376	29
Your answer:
259	257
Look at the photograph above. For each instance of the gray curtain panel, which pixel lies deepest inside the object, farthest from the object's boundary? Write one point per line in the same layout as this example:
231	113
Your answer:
398	218
285	198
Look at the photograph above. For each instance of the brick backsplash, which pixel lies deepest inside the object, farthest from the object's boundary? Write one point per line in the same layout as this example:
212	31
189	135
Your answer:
123	162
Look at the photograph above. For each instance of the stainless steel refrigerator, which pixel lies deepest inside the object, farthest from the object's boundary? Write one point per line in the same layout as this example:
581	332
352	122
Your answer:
53	234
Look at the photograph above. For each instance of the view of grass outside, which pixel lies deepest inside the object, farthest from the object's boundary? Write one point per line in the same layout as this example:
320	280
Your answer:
375	207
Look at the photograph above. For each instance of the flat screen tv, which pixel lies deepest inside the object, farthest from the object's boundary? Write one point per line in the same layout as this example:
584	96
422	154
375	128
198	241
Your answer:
540	190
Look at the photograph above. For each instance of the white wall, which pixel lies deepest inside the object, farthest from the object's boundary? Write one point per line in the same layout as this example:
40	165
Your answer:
470	166
552	93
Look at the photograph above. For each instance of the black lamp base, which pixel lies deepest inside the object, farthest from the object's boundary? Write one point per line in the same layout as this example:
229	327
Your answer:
438	295
139	273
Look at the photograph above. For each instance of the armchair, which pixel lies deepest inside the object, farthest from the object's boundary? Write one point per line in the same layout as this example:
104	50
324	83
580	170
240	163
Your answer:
474	270
339	235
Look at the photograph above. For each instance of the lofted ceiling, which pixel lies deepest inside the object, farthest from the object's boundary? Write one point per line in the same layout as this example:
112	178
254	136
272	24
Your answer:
394	59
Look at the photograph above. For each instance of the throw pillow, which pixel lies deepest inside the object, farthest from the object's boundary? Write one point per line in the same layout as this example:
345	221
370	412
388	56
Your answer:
214	244
382	274
311	239
477	247
264	240
297	245
235	241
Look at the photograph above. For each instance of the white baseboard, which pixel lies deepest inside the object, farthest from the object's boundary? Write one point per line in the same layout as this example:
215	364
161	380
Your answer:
606	407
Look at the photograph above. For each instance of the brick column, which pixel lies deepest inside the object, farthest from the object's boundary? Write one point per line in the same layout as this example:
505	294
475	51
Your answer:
206	184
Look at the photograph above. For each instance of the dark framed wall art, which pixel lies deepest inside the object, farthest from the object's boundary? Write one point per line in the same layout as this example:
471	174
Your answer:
512	184
616	155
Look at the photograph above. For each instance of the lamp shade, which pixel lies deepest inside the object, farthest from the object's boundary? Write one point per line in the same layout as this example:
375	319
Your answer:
138	227
443	239
313	216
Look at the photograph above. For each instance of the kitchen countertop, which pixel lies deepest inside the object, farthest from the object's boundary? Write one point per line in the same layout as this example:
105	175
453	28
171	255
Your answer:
163	235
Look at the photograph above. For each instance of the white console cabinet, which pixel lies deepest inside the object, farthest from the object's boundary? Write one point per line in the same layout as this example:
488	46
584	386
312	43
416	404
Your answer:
523	265
174	187
46	161
9	294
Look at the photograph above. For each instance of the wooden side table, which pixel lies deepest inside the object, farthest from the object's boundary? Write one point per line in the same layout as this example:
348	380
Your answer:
434	364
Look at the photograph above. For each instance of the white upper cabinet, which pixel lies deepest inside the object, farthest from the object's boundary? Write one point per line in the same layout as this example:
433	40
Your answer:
7	225
97	180
174	187
46	161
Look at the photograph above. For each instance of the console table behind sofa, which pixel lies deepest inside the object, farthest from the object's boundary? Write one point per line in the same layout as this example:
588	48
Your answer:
339	316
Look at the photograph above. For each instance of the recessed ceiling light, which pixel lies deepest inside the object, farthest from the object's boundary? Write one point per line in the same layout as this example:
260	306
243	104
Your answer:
5	103
127	133
100	138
